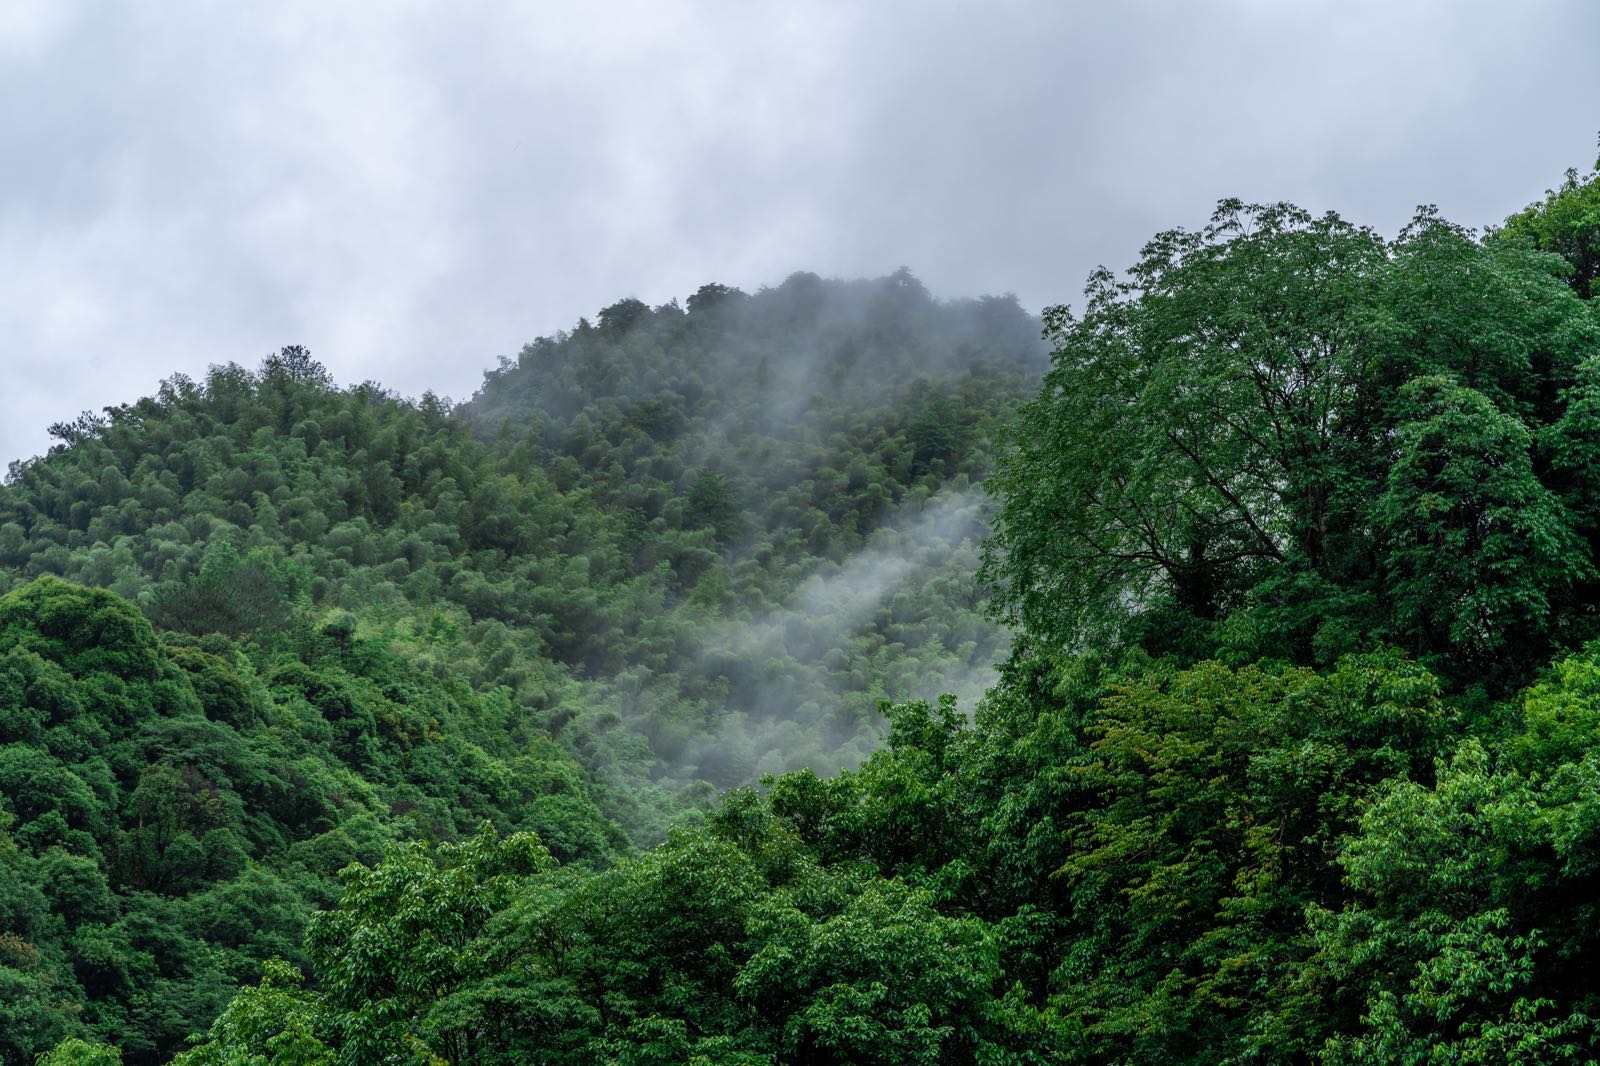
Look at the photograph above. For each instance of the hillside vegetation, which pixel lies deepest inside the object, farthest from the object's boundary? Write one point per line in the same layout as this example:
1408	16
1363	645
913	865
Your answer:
653	558
1293	756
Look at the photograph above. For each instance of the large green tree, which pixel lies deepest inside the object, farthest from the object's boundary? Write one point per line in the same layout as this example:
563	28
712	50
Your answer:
1566	222
1226	456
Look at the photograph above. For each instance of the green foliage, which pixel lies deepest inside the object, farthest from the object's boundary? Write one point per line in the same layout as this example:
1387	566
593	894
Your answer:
631	572
1276	771
598	531
1282	435
75	1052
1184	447
405	939
1566	223
1465	935
174	813
273	1022
706	949
231	595
1479	552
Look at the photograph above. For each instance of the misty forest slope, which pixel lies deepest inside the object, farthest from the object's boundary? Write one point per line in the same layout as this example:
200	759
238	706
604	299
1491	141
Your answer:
671	515
1294	755
653	558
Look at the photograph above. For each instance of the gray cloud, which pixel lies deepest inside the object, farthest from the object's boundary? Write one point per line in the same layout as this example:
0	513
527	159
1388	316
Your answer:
413	189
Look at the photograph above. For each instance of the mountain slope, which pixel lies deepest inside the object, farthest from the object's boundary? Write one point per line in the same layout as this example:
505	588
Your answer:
627	575
606	528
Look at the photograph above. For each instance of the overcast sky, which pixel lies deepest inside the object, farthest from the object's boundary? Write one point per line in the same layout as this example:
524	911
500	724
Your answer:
412	190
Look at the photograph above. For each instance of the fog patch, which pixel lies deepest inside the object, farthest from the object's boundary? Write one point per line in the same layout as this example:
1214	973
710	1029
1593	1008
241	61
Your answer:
851	635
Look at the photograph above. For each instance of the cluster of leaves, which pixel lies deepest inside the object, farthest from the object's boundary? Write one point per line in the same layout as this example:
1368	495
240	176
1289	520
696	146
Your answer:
727	944
1284	435
172	813
1129	864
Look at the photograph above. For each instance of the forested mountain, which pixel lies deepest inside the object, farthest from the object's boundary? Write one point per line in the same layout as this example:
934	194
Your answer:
651	559
734	530
795	473
1294	756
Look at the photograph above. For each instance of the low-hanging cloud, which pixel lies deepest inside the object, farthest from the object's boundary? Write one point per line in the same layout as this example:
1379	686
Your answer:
779	718
413	190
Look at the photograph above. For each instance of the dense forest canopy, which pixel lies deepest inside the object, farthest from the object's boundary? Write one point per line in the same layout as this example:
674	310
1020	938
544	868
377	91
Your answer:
414	720
1285	435
653	558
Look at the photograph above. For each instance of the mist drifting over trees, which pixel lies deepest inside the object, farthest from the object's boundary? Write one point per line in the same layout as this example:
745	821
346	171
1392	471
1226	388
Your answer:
835	674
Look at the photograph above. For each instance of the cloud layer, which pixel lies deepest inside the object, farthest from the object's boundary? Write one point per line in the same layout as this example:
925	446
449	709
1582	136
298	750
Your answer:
414	189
